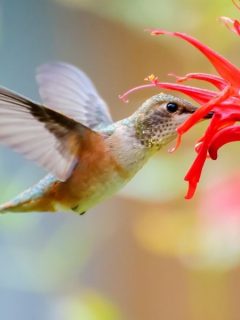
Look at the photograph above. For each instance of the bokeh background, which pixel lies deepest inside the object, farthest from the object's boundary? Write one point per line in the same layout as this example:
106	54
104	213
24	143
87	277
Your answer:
145	254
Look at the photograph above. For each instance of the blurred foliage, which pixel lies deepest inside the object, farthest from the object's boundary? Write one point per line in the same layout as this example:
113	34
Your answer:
89	306
142	13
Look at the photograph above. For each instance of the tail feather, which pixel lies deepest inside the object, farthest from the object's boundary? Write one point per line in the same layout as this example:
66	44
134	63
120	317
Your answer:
32	199
10	206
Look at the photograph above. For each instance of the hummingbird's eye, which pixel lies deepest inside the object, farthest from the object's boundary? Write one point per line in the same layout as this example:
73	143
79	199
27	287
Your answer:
172	107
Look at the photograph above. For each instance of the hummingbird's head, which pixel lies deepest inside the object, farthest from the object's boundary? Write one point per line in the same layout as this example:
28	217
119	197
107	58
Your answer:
158	118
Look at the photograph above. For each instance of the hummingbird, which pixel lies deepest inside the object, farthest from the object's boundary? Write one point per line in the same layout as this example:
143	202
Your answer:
71	134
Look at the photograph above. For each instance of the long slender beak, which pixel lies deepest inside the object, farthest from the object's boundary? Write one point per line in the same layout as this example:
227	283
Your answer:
209	115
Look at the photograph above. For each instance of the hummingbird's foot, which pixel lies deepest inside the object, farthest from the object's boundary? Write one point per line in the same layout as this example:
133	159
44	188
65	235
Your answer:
75	209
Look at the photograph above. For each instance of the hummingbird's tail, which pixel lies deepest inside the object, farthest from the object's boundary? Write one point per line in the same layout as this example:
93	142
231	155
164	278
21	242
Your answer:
32	199
18	206
12	206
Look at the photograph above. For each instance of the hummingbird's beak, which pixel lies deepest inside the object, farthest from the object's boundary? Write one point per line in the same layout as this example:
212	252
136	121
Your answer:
209	115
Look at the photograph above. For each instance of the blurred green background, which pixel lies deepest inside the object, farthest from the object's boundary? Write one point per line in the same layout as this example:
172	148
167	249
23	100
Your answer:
146	254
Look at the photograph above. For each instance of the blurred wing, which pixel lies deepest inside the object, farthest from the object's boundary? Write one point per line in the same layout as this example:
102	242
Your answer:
68	90
41	134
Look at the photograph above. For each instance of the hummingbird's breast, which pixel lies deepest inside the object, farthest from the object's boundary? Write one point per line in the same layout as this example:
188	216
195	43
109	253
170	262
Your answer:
104	167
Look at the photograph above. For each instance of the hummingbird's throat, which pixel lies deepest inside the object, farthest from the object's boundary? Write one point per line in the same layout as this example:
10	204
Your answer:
155	136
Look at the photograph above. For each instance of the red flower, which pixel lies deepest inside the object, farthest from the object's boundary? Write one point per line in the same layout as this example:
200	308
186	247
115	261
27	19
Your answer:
224	103
232	24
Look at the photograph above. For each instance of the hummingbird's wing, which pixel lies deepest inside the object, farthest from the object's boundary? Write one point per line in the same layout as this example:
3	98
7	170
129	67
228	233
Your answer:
49	138
68	90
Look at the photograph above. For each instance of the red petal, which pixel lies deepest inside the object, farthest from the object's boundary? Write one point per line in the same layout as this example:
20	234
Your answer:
237	26
192	186
217	81
224	136
232	24
194	173
198	94
203	110
225	68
